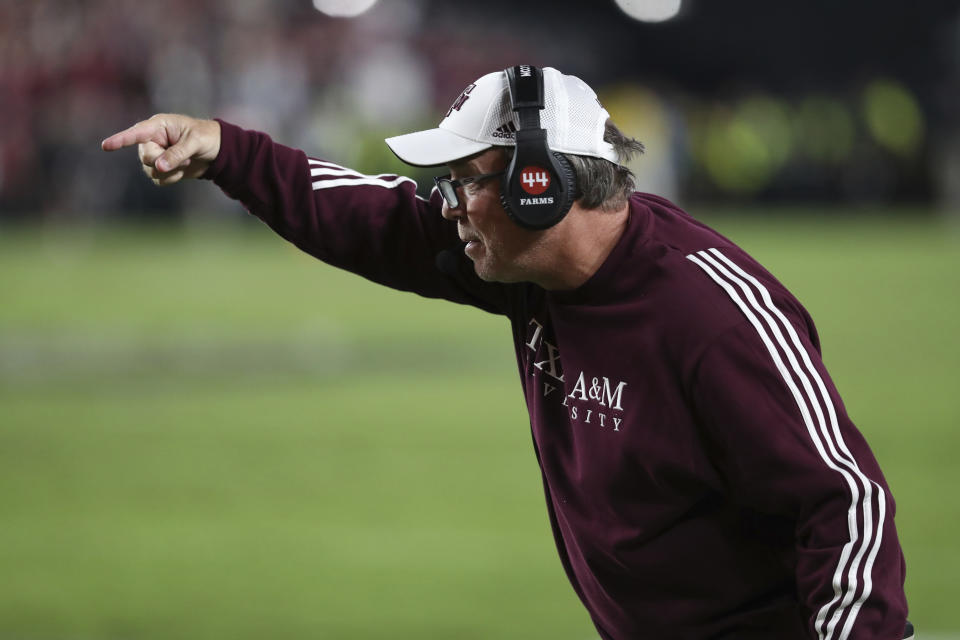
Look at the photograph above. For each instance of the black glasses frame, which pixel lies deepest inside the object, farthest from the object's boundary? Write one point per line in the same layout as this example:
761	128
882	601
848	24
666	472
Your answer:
448	188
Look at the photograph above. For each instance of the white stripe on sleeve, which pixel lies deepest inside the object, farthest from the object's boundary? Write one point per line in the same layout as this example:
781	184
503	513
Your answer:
332	175
731	277
391	183
324	163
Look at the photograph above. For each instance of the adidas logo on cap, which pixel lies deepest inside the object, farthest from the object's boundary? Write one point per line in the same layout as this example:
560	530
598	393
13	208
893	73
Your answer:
506	131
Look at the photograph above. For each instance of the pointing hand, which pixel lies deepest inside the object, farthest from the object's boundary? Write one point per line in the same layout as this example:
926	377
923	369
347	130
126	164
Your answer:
171	147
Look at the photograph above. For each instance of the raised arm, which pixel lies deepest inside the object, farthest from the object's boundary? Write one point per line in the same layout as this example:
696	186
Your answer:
375	226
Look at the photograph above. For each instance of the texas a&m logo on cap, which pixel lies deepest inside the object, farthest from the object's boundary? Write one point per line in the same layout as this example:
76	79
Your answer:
463	97
534	180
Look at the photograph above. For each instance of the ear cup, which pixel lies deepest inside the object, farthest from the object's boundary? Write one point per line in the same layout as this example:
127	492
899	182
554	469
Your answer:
569	177
537	196
537	189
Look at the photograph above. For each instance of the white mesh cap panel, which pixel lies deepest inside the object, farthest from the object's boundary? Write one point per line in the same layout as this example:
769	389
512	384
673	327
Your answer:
580	124
555	111
573	117
500	114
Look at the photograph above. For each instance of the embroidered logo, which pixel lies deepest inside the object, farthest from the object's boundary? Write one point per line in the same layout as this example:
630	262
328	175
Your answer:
594	400
463	97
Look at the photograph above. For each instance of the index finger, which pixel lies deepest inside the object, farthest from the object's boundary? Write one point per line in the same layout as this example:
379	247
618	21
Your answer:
138	133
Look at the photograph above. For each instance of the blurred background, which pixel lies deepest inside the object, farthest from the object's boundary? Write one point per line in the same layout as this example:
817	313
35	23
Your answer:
206	434
768	102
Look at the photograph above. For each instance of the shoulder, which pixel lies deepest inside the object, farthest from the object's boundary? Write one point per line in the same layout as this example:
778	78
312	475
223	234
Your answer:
701	282
668	246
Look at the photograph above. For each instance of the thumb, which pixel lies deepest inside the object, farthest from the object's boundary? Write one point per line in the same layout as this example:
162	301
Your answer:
178	155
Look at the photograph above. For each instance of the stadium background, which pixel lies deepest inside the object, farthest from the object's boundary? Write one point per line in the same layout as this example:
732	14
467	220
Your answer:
206	434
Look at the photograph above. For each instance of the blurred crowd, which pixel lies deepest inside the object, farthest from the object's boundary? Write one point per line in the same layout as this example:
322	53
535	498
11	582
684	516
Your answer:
72	72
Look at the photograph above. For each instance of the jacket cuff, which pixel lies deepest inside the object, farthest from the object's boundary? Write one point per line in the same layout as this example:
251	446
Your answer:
231	142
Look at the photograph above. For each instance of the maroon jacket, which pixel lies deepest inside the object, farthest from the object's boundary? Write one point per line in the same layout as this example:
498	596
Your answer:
702	477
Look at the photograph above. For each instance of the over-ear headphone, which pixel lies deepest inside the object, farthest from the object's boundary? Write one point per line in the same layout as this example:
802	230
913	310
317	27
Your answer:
538	188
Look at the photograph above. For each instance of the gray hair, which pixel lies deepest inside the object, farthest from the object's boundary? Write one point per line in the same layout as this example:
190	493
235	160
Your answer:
602	184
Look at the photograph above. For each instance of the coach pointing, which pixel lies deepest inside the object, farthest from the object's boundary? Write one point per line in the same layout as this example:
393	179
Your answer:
702	477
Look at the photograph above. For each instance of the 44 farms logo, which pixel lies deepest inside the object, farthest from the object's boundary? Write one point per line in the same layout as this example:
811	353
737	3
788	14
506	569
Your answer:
594	400
534	180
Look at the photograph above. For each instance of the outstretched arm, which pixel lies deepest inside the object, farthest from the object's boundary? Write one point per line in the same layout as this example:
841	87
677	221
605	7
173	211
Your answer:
374	226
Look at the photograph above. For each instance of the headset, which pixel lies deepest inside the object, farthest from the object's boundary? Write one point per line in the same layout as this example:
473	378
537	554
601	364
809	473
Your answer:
539	186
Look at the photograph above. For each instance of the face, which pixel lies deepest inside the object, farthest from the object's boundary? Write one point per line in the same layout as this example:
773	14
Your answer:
501	250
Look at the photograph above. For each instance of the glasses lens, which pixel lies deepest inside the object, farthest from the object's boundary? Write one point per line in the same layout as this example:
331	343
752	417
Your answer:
449	193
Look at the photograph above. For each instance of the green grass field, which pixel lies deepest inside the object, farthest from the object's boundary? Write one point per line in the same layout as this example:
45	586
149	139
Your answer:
205	434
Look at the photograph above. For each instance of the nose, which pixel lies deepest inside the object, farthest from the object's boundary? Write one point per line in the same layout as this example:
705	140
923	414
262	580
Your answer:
450	214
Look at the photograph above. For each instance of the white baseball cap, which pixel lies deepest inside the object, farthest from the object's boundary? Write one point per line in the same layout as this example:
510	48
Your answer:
481	117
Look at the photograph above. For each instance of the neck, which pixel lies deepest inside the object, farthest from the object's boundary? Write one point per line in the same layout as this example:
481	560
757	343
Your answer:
582	241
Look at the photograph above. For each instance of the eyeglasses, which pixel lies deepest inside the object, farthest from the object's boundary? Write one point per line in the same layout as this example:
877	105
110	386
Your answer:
448	188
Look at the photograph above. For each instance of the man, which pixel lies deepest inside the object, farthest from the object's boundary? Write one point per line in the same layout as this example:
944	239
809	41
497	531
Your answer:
702	477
